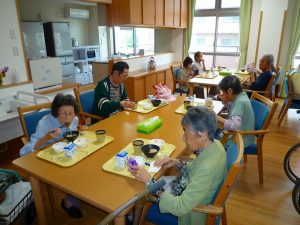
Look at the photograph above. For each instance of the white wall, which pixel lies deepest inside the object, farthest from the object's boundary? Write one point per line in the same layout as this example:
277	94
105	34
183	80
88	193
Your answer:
10	40
53	11
271	28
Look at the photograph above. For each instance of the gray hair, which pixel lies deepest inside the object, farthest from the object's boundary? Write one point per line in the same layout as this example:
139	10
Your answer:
270	58
201	119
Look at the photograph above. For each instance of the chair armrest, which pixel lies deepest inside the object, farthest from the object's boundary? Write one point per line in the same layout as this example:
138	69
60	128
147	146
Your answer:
255	132
208	209
24	140
91	115
260	92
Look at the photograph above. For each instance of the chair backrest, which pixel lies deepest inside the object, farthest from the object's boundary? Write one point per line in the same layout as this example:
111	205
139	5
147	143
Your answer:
174	71
263	109
270	84
234	154
85	97
31	115
234	165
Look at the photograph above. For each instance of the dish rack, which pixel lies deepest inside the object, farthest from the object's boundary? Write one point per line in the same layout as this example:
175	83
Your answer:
22	206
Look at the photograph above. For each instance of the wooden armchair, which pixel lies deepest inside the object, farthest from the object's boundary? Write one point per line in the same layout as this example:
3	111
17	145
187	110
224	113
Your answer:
85	97
176	81
234	165
267	92
217	207
30	116
264	110
290	96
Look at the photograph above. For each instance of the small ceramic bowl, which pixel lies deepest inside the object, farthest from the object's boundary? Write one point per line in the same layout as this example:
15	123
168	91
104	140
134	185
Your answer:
159	142
81	142
150	150
59	147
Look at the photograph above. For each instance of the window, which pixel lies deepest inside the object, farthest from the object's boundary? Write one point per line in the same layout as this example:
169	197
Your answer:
297	58
216	32
129	40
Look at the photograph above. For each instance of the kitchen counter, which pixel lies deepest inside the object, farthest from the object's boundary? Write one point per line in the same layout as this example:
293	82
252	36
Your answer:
140	83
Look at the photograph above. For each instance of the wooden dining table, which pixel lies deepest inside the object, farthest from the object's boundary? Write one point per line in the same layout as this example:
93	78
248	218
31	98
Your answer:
212	82
86	180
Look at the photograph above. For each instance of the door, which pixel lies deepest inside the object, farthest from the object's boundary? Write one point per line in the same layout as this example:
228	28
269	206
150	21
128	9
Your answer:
62	39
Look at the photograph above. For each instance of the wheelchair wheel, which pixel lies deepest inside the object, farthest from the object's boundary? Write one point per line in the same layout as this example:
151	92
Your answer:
296	197
291	163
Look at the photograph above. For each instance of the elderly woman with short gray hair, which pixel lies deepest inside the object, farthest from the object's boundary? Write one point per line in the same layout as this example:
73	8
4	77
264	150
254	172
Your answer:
197	181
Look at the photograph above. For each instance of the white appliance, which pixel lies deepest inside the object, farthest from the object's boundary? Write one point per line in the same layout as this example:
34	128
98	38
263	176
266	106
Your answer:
45	72
77	13
34	40
92	53
59	44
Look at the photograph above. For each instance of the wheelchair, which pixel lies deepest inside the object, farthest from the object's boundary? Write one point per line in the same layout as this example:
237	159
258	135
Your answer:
292	169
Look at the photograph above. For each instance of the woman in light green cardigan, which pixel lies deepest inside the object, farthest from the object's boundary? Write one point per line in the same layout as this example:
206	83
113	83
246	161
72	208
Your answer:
198	180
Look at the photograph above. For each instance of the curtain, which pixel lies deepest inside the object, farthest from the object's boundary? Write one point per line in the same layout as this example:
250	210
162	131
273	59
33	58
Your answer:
294	44
245	19
188	31
295	36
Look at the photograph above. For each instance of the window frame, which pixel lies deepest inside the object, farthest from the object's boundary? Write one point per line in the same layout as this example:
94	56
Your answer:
134	39
217	12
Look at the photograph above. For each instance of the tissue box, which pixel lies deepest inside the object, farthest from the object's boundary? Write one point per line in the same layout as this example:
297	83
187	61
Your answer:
149	125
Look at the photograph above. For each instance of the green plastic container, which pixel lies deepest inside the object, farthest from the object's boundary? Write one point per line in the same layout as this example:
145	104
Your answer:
225	73
149	125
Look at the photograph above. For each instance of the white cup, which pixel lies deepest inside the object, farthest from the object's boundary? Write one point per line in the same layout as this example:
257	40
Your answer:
208	102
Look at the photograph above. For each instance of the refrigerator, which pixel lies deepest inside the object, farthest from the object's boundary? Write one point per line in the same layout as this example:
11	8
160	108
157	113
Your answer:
59	44
34	40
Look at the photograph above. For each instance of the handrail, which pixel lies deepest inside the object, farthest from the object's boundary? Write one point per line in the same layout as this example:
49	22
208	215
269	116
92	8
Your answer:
35	96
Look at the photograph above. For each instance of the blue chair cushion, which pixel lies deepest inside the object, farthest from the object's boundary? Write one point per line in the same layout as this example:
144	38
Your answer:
250	149
179	90
156	217
32	119
261	112
175	72
87	101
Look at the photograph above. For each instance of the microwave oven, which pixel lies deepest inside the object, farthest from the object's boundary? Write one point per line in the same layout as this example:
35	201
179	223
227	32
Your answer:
92	53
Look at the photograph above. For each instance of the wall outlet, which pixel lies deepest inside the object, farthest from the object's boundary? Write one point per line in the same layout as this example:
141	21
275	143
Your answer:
15	51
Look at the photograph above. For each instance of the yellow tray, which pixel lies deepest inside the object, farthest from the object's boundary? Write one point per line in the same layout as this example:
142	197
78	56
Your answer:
206	76
182	110
109	166
141	109
59	158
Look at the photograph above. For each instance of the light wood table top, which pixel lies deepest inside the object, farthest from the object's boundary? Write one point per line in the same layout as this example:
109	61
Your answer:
86	180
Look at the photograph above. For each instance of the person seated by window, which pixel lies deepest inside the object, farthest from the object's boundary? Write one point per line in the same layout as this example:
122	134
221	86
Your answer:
198	180
260	83
50	129
240	113
198	66
185	73
110	94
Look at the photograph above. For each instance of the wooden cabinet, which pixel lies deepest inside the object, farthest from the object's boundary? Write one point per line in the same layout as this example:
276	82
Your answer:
126	12
148	12
176	13
139	87
184	13
169	9
160	13
169	79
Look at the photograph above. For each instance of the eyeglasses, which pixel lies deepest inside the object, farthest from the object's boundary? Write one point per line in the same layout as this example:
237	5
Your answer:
124	75
65	115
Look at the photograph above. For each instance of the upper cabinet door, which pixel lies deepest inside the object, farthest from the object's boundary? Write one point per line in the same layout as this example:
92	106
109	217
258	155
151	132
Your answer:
159	13
149	12
184	13
136	12
169	10
176	15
